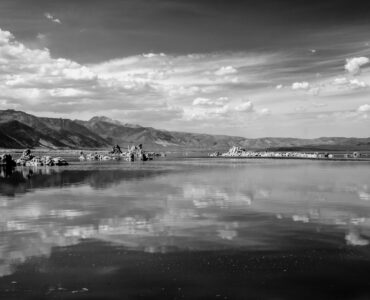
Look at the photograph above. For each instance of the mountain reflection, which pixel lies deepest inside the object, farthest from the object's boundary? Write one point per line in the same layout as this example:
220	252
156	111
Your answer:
23	180
270	206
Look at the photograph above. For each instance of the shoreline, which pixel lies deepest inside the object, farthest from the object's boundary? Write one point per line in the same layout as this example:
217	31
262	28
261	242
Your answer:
293	158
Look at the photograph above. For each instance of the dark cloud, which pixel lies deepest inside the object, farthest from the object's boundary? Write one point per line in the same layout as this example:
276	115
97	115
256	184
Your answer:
119	28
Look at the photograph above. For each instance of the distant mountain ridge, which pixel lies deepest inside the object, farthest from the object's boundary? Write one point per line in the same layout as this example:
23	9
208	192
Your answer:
21	130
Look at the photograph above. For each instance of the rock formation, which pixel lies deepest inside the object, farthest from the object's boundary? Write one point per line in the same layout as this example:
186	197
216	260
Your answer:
133	153
7	160
29	160
136	152
116	150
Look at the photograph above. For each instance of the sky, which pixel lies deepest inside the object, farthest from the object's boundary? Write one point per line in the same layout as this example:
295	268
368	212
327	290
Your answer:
249	68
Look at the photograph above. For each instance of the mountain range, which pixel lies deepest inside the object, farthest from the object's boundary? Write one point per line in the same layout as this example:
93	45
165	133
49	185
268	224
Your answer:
21	130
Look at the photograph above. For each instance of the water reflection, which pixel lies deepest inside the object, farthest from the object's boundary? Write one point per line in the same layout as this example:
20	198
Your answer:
265	206
15	181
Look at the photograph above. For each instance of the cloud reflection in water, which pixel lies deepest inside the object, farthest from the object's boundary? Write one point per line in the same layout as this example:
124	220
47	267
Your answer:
210	206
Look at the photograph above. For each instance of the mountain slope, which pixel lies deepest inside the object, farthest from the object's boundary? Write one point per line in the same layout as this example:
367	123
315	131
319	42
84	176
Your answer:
117	133
20	130
72	133
154	138
14	134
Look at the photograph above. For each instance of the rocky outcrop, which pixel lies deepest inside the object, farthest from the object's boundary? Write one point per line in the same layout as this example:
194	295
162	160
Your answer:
136	153
97	156
25	157
116	150
115	154
29	160
133	153
7	160
59	161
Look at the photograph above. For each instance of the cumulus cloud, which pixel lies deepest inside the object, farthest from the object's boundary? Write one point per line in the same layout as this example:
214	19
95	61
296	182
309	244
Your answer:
203	111
358	83
245	107
353	65
20	64
30	79
346	83
206	113
226	71
33	80
50	17
364	108
5	37
300	85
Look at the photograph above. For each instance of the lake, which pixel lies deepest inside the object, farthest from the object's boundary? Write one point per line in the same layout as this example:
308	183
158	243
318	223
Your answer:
186	229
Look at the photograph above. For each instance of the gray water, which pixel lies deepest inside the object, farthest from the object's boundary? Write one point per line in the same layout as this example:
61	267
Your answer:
190	229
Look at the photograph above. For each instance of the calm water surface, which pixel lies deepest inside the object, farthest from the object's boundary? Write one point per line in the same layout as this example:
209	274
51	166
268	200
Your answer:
186	229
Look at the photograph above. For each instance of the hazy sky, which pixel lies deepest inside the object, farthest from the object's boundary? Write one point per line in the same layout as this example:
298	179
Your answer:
250	68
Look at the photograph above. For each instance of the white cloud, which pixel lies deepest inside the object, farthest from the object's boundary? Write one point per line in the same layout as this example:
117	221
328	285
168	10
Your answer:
75	72
354	239
33	80
52	18
181	76
300	85
202	101
68	92
299	218
5	37
204	111
349	83
15	80
245	107
340	81
364	108
264	112
226	71
353	65
221	101
28	77
357	83
151	55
